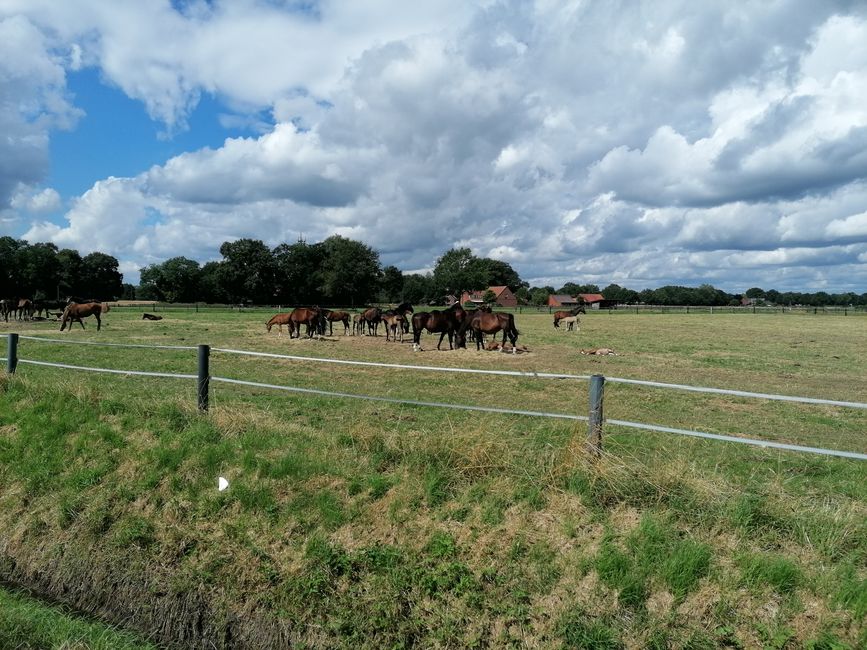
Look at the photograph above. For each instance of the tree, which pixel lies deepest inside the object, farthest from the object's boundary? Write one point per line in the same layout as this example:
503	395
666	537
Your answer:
755	292
247	271
128	291
417	289
391	285
350	271
70	272
10	272
458	270
490	297
298	268
572	289
497	273
175	280
210	290
39	270
539	295
100	277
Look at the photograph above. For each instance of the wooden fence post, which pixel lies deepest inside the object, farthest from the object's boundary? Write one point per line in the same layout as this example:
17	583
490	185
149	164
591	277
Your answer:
204	379
11	353
594	431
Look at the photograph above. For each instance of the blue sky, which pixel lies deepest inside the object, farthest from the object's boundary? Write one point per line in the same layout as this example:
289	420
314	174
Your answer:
647	143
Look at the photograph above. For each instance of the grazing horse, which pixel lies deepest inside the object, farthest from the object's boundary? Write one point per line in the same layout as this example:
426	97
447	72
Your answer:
485	322
309	316
332	317
76	311
560	315
280	320
372	317
447	321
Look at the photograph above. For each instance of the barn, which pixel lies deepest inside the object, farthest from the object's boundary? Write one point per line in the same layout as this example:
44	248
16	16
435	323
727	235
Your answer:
505	296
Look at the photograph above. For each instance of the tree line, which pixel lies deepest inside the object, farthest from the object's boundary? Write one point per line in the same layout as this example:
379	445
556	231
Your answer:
43	272
336	271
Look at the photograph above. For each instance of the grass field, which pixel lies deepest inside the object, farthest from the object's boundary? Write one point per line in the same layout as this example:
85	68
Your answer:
365	524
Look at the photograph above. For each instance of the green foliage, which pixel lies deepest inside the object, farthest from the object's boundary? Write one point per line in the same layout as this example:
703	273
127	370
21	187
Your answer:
581	631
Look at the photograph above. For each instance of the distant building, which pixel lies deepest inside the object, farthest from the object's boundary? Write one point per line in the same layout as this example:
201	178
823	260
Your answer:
562	300
504	296
589	300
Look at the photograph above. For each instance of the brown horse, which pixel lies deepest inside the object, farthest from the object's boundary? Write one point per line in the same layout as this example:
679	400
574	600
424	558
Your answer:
560	315
75	312
395	323
485	322
309	316
447	321
332	317
372	317
280	320
6	308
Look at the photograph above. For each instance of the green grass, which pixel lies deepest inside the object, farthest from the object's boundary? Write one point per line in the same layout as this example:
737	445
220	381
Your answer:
363	524
29	623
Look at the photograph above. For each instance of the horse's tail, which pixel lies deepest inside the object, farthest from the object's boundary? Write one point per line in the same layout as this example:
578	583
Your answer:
512	325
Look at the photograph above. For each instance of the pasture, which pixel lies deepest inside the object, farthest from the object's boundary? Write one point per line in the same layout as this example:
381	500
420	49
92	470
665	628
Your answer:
366	524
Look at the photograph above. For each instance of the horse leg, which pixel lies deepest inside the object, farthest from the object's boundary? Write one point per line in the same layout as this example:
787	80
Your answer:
98	321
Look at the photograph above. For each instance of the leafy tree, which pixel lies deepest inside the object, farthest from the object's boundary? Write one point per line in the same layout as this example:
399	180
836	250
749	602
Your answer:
70	272
490	297
498	274
100	277
523	295
247	271
210	289
539	295
40	270
458	270
350	272
10	272
572	289
128	291
298	273
391	284
755	292
175	280
417	289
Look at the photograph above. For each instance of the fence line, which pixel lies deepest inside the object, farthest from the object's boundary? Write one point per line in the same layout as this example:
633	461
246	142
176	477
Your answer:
508	373
747	441
395	400
109	370
204	377
112	345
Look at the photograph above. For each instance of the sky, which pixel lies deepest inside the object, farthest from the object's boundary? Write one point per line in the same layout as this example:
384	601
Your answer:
637	143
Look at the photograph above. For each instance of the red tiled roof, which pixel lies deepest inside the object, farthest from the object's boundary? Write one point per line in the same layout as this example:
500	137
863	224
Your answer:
592	297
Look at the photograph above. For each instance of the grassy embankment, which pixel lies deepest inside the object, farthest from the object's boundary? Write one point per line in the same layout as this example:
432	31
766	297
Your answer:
367	524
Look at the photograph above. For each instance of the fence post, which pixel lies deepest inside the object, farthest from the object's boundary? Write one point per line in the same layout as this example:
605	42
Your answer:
11	353
594	431
204	376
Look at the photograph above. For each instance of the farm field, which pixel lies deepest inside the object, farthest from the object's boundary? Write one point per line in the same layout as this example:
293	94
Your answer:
367	524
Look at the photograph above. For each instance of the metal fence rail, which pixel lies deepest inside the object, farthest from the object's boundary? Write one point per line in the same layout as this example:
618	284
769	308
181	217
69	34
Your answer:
204	377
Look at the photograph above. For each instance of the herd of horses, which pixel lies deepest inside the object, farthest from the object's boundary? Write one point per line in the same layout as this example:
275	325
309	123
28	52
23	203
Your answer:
456	322
69	311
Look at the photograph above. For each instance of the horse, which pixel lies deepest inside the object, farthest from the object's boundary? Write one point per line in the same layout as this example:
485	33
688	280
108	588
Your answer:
394	322
6	308
332	317
572	323
309	316
151	317
372	318
24	310
485	322
280	320
76	311
443	322
560	315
